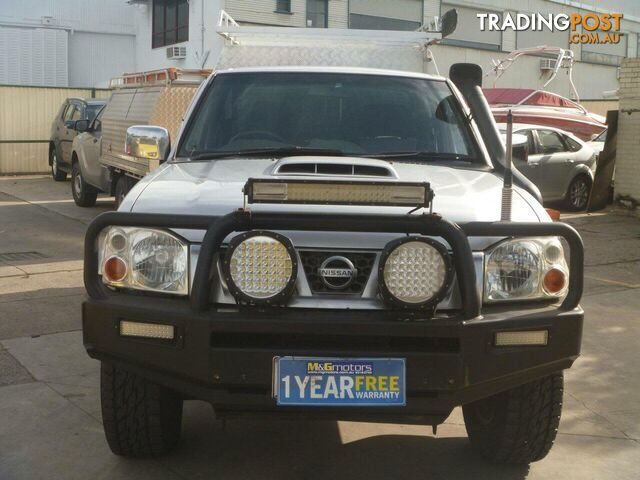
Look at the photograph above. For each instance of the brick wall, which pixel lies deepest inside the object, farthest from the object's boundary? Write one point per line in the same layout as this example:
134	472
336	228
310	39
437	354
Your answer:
627	180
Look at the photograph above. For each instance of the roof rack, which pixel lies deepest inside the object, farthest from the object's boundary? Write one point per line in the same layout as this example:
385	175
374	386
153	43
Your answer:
257	46
165	76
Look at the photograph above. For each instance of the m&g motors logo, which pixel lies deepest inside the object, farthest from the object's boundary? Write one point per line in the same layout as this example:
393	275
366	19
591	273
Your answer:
348	368
601	28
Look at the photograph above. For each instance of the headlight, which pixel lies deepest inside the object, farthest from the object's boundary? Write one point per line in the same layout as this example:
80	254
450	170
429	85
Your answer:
260	267
414	272
526	269
145	259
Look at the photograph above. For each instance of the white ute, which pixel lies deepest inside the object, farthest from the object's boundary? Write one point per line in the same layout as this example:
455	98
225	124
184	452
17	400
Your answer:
329	241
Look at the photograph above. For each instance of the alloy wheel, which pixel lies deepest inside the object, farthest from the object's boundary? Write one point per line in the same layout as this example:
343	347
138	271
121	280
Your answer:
579	193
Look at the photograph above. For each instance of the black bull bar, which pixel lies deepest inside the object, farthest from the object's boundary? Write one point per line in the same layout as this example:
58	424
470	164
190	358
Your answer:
219	227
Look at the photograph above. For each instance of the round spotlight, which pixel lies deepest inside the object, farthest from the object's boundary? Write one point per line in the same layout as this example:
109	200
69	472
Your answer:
415	272
260	267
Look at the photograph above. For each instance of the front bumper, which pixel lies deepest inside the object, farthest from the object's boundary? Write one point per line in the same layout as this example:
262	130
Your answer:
225	357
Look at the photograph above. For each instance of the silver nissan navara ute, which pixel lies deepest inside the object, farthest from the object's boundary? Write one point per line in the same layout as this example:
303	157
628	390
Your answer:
331	243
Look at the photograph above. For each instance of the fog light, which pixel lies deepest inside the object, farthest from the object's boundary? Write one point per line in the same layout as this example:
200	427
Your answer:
522	338
146	330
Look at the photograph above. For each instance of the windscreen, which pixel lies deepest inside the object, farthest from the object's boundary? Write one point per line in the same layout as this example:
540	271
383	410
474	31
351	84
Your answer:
356	114
92	111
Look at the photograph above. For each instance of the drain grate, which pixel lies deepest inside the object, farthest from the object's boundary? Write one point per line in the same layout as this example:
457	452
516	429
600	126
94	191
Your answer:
19	256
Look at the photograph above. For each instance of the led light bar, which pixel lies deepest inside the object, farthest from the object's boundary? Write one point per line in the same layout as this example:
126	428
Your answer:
522	338
146	330
328	192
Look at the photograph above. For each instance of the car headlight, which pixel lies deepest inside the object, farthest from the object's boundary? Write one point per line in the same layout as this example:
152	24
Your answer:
260	267
526	269
414	272
145	259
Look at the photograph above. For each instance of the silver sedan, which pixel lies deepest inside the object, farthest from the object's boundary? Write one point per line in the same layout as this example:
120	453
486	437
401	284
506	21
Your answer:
561	165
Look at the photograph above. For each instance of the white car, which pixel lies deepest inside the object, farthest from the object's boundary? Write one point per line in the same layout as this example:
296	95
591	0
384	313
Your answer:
560	164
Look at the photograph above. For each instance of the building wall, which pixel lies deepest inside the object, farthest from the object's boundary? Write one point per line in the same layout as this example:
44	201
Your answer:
627	179
93	41
33	56
95	58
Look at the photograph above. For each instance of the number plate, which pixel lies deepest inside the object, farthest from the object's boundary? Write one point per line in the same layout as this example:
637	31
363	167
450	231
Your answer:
309	381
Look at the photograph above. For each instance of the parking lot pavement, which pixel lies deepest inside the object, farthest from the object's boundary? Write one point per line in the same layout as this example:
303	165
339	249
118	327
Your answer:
50	413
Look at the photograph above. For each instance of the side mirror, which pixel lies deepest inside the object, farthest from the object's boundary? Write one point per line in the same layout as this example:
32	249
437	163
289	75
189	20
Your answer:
82	125
71	124
146	141
448	22
520	148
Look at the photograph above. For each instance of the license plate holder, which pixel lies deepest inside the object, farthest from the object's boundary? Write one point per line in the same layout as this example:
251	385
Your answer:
339	382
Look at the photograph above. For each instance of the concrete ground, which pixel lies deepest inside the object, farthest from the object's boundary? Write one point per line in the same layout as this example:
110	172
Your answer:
50	424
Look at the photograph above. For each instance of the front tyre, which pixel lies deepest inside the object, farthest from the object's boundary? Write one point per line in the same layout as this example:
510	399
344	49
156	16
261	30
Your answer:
517	426
83	194
141	418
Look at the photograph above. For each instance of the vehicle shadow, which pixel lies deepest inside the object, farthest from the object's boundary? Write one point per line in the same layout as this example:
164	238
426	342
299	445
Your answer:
273	449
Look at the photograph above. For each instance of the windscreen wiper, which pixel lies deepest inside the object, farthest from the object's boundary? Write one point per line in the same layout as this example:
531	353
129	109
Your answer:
421	155
266	152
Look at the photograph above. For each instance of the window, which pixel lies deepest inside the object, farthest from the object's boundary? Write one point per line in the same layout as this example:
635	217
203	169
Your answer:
550	142
92	110
356	114
385	15
97	122
572	144
69	112
317	13
531	145
535	38
170	23
604	53
283	6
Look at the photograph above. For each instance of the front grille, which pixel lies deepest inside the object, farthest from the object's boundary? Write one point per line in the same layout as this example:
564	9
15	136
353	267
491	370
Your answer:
302	343
362	261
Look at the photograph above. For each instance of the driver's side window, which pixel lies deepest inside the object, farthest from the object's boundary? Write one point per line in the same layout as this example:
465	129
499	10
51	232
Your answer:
71	109
550	142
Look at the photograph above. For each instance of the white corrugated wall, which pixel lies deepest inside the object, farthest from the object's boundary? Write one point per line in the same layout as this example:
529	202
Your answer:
33	56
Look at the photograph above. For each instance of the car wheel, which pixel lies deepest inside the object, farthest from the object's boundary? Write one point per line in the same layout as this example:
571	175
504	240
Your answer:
577	197
140	418
123	185
57	174
518	426
83	194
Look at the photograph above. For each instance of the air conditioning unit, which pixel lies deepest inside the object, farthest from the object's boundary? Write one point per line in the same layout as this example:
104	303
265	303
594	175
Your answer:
547	64
176	53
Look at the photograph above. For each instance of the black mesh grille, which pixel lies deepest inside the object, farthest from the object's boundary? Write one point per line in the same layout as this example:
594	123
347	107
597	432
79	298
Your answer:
362	261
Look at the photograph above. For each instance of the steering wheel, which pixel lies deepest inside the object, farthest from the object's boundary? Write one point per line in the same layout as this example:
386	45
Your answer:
257	134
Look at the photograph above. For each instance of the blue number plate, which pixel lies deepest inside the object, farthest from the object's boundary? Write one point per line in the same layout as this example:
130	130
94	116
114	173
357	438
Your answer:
372	382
